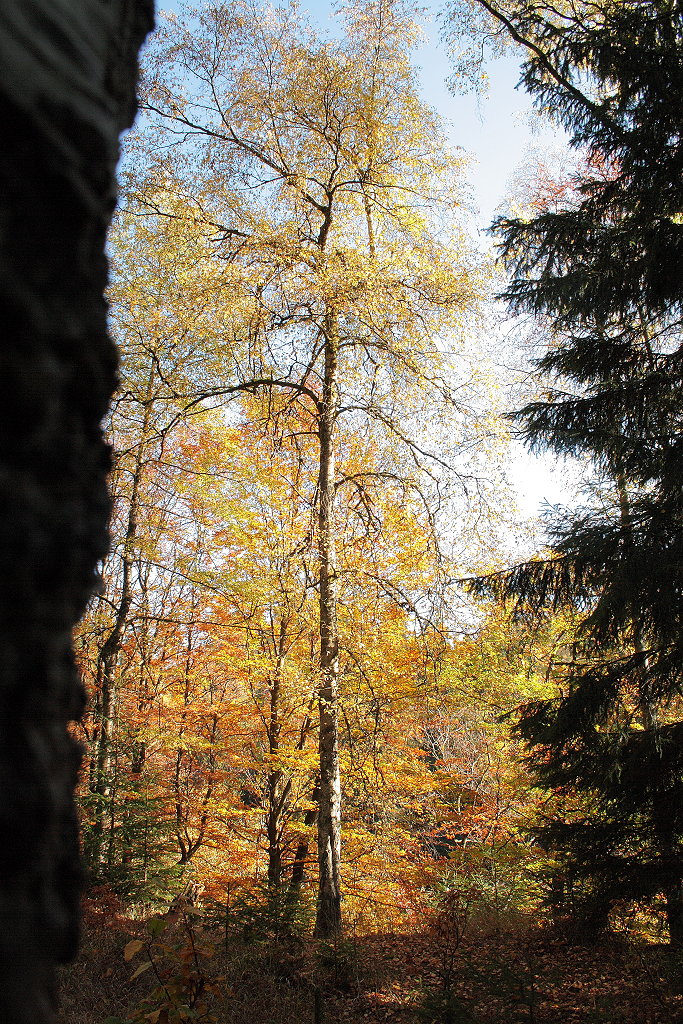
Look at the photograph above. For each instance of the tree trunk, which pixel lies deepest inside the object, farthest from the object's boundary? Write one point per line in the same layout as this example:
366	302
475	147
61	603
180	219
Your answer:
674	912
277	796
298	874
107	663
328	917
67	88
668	848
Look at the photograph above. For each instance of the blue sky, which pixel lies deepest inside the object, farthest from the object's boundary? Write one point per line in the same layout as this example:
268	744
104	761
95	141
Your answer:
494	127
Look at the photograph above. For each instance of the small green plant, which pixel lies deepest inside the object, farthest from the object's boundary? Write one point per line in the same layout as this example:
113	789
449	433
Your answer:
176	952
441	1006
139	860
338	965
447	927
263	913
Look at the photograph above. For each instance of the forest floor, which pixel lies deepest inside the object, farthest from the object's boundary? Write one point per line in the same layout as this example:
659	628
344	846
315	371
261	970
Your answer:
487	976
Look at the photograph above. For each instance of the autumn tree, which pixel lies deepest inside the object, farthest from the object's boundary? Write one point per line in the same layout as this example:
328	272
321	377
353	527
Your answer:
153	563
269	592
264	510
329	196
598	267
213	738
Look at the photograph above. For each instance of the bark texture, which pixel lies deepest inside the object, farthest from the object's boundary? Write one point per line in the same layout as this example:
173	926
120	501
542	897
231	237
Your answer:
67	89
328	922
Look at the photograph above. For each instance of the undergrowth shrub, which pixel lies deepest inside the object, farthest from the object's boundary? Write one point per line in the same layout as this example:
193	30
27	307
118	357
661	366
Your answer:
338	967
263	913
176	953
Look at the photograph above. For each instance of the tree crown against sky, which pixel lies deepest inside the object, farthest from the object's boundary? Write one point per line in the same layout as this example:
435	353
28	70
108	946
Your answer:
394	258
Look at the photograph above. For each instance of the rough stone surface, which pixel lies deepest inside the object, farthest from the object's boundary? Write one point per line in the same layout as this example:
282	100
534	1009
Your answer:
67	89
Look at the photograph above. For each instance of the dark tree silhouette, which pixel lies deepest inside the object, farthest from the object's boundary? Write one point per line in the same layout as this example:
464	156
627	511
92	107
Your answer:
67	89
603	268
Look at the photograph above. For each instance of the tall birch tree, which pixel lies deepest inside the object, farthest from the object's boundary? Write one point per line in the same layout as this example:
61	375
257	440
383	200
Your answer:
330	200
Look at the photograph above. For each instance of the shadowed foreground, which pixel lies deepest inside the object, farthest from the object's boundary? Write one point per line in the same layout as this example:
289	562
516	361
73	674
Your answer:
67	86
499	972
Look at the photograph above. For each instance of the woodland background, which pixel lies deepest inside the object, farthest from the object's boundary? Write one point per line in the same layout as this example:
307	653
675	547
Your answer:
320	701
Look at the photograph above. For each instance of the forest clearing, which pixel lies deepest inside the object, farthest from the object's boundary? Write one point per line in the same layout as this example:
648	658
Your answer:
361	744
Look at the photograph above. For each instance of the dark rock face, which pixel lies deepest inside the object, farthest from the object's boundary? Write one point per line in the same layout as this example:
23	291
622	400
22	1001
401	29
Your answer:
67	89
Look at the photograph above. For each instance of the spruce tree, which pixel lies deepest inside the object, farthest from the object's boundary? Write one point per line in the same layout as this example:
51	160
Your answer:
605	273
